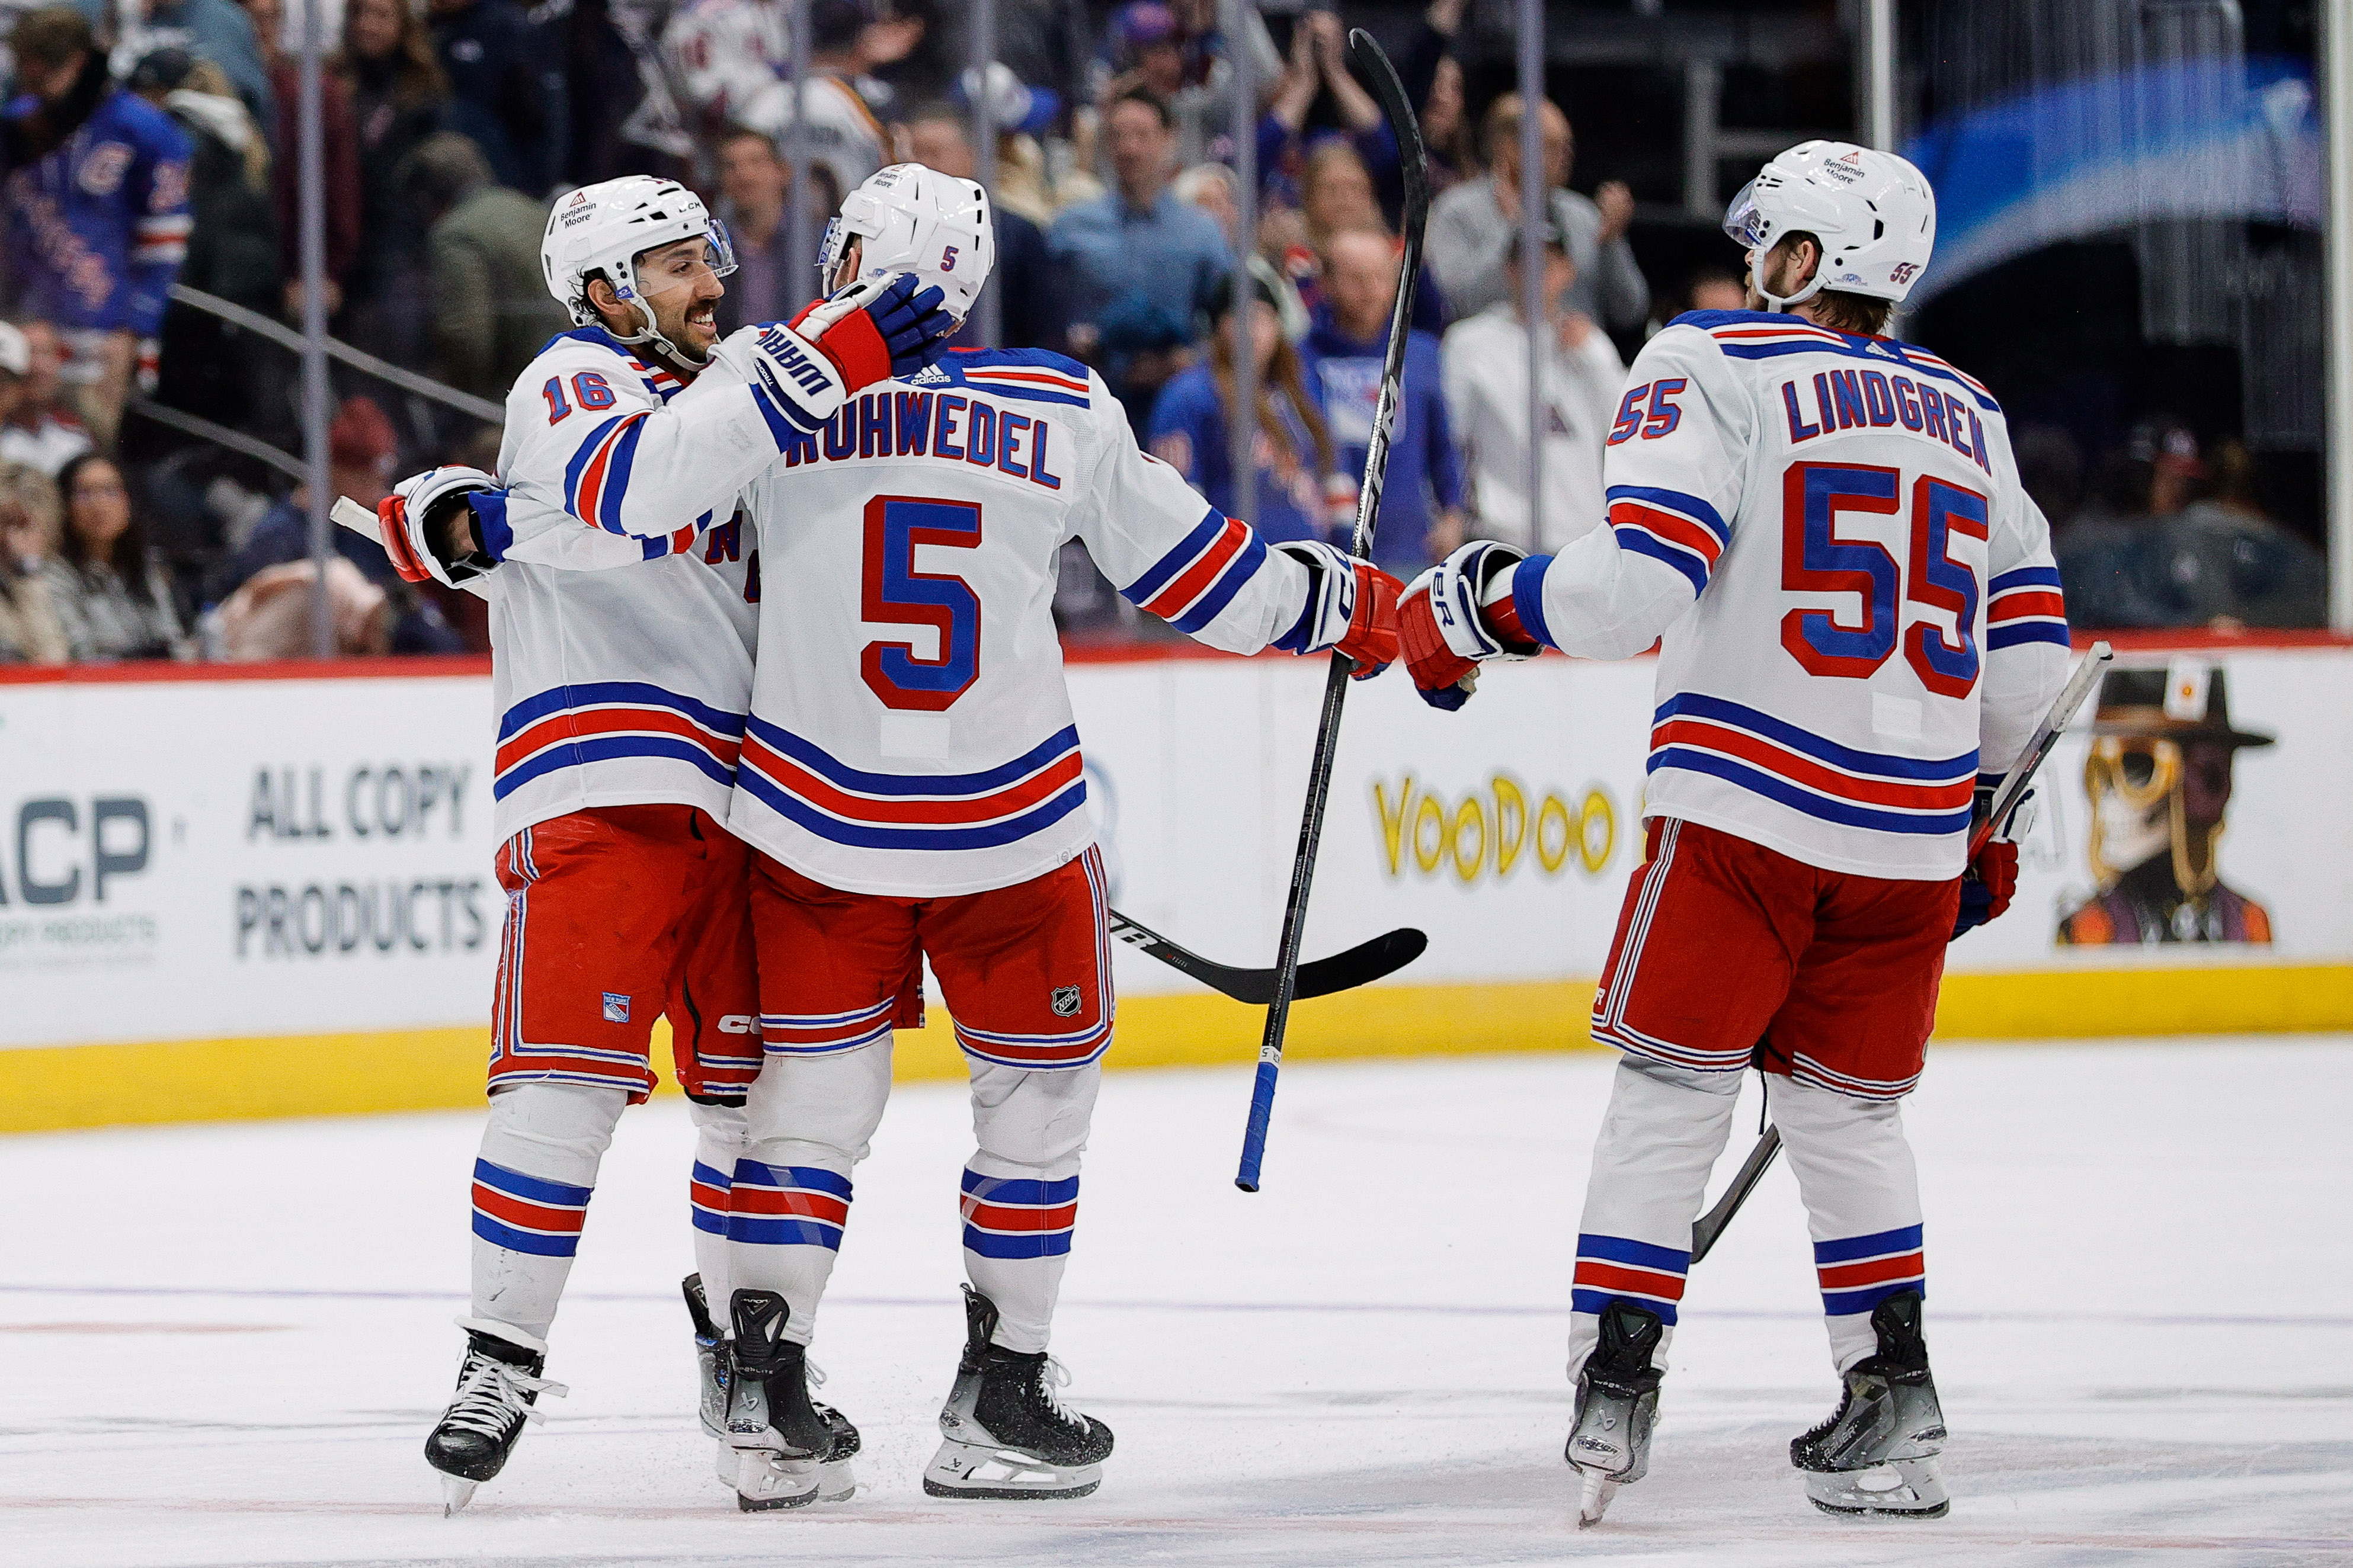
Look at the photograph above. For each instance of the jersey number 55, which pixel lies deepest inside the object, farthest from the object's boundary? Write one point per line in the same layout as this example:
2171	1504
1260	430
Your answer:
1950	524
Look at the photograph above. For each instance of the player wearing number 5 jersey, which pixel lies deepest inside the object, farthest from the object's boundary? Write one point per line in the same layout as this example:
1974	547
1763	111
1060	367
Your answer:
620	698
1859	624
913	782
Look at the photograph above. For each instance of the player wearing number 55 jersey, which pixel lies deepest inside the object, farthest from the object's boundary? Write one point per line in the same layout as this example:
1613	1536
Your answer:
1859	624
913	782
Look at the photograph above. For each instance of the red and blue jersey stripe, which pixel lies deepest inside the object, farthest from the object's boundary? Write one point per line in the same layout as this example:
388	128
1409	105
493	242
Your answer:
1858	1272
1031	384
1003	804
787	1206
1753	334
1682	530
1619	1268
2025	606
528	1214
1811	773
1010	1218
707	1192
595	721
1188	586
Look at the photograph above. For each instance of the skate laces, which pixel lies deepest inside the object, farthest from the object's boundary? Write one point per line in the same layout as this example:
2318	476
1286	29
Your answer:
490	1393
1052	1378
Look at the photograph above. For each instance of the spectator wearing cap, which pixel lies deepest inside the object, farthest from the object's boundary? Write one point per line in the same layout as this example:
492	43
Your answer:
1138	265
216	30
97	208
1291	443
503	93
37	430
1176	53
1579	375
1346	353
1024	115
108	589
491	310
340	156
361	451
1028	315
30	632
1473	225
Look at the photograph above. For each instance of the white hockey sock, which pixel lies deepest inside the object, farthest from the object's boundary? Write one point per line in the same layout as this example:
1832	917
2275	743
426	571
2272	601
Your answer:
1855	1170
717	1144
1021	1191
1660	1136
532	1183
808	1120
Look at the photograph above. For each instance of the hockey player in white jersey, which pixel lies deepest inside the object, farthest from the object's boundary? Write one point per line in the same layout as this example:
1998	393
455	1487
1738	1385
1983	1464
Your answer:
1859	624
912	782
621	698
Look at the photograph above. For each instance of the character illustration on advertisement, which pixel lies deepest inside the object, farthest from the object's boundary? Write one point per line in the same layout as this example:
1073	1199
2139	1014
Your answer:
2159	781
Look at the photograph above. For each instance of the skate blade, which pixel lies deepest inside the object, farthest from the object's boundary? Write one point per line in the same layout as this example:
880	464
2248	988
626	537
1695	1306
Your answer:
1901	1489
973	1470
457	1491
1594	1493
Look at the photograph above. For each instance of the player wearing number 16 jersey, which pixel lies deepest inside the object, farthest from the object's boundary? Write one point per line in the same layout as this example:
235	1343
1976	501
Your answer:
913	782
1859	624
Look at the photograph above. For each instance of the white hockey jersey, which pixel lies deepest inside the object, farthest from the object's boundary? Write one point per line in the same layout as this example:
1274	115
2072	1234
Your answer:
911	732
1854	598
618	688
732	61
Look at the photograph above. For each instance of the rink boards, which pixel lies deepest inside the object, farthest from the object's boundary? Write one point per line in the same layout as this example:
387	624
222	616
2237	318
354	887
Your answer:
270	893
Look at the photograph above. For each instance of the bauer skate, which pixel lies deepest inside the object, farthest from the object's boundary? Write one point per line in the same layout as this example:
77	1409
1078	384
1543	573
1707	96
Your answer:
499	1388
790	1451
710	1365
1877	1456
1008	1432
1617	1401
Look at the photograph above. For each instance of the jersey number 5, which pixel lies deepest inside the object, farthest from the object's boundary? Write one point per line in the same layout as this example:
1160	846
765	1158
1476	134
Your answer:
892	593
1816	561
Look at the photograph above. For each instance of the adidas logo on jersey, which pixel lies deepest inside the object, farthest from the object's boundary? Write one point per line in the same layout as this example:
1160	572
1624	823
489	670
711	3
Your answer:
930	375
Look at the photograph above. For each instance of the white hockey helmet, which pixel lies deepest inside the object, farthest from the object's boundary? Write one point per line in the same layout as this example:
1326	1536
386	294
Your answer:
1873	211
604	228
915	219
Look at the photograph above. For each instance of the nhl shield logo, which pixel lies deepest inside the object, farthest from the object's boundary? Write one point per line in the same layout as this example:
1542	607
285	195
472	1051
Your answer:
1065	1000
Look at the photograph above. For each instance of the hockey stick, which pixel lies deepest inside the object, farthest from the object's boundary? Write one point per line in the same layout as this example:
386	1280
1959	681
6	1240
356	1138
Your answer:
1414	161
2005	806
1360	965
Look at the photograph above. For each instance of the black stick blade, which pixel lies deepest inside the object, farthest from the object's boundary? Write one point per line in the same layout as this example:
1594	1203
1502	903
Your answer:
1372	63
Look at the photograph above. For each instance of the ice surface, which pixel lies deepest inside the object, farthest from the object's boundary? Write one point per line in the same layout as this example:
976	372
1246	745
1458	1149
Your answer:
224	1345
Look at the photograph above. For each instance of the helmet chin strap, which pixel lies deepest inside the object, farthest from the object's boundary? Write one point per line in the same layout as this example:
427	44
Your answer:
1777	303
653	334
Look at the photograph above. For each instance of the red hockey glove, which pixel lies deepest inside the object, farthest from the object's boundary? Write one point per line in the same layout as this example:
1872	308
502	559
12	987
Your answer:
1351	608
1988	885
1445	635
878	328
415	518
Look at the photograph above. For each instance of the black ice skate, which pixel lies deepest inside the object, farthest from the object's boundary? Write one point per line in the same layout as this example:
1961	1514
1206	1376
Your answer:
498	1386
1877	1455
1008	1434
1617	1401
790	1451
711	1358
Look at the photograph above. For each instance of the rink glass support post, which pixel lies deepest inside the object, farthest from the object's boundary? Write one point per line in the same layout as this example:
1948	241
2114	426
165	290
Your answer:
311	209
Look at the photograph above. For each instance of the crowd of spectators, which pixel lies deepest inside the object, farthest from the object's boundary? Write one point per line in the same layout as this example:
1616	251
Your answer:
147	143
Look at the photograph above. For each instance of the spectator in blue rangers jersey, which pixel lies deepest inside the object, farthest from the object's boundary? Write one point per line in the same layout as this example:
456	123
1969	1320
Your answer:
97	204
1292	443
1421	501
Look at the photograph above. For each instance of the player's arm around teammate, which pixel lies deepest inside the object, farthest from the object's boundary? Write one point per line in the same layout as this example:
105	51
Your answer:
1857	617
621	697
913	782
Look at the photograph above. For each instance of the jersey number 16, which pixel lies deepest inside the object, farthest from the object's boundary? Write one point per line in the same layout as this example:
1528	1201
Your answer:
1947	551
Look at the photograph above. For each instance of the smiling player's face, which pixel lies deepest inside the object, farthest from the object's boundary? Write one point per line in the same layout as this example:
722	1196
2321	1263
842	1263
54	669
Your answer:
678	285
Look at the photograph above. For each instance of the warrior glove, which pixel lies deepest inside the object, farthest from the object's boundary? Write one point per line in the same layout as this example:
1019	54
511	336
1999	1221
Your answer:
420	523
1990	880
1445	633
1351	608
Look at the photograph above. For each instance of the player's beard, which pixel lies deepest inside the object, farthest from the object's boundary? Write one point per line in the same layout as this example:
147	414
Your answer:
692	328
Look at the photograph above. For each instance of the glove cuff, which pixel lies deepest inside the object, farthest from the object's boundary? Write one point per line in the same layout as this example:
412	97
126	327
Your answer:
791	377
